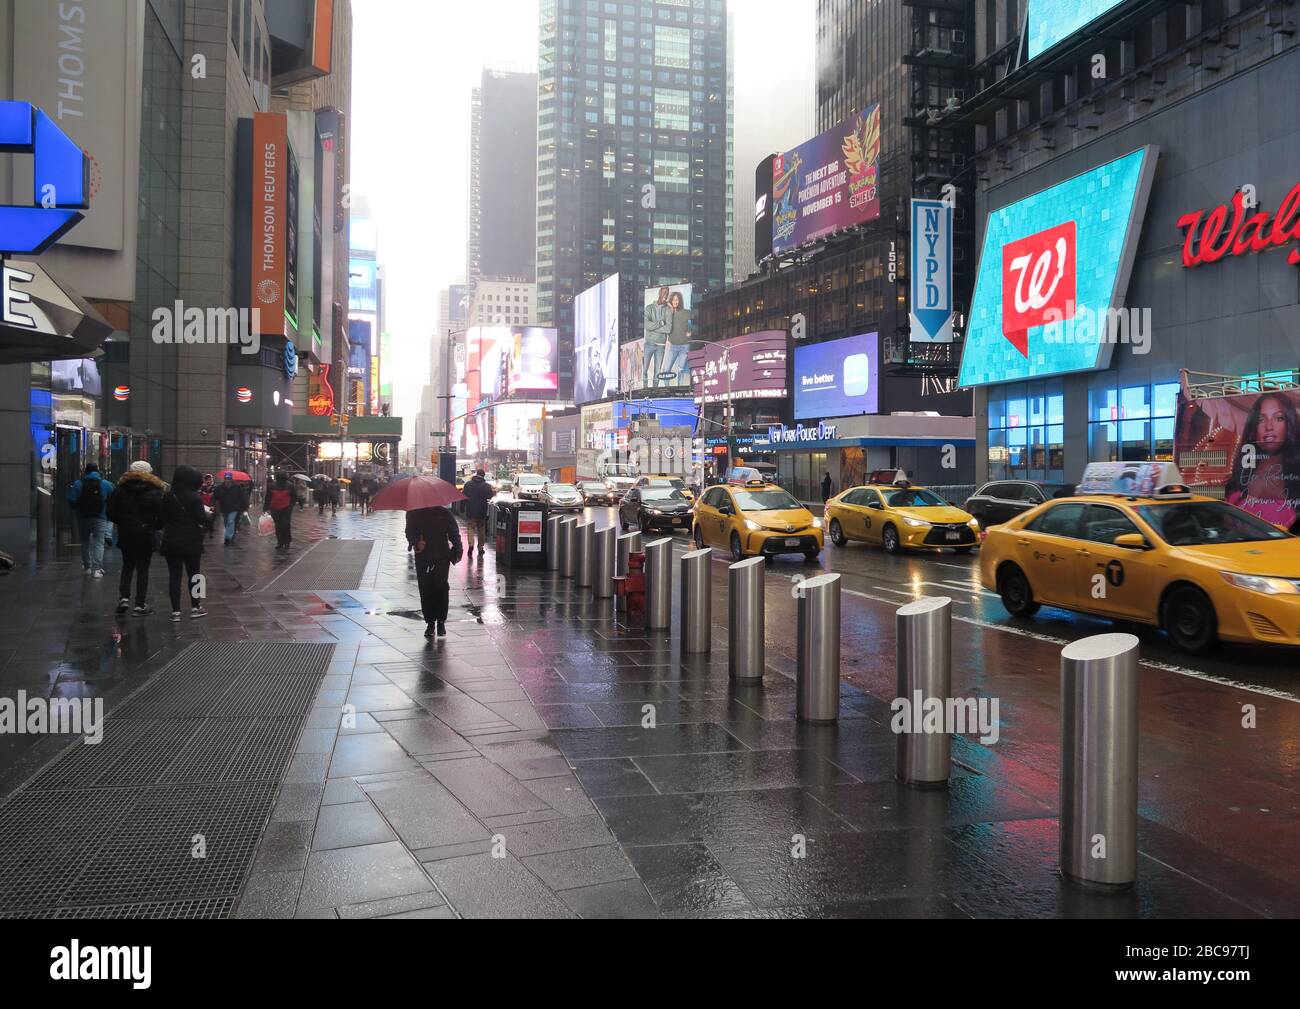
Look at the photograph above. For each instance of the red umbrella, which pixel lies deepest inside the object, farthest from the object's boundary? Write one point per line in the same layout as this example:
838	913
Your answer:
417	492
235	474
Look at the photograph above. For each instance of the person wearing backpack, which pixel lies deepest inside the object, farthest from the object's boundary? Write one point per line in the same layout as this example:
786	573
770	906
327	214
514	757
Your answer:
279	502
135	507
182	539
89	500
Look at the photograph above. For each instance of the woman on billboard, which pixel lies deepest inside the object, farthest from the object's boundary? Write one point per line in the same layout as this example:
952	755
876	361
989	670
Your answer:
1265	477
679	338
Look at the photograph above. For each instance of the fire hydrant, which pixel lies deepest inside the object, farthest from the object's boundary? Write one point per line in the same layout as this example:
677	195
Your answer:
631	586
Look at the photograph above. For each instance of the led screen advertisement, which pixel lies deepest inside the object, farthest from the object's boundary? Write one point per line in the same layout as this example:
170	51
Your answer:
658	418
1053	21
840	378
667	332
515	425
1053	271
595	341
827	184
363	290
1246	447
752	366
533	362
493	360
631	366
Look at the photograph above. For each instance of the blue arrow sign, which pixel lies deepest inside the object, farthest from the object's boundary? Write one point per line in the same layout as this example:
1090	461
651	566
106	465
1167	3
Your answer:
60	180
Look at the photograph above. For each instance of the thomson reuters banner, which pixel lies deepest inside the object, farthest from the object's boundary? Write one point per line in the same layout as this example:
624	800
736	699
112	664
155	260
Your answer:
270	218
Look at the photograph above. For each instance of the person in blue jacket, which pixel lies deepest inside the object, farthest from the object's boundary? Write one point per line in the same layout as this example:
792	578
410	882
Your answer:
89	500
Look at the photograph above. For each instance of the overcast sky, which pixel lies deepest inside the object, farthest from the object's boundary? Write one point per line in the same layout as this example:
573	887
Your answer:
414	64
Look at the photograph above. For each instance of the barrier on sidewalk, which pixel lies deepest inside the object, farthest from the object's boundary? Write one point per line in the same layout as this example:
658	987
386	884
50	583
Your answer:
553	542
924	653
746	599
584	550
697	601
658	584
628	544
1099	760
602	581
568	546
817	687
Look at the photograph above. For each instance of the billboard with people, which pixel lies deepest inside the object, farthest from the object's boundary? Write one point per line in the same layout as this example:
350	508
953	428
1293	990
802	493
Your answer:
667	332
595	341
1246	447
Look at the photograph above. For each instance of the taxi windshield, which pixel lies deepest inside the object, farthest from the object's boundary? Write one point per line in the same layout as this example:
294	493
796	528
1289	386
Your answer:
764	500
914	497
1201	523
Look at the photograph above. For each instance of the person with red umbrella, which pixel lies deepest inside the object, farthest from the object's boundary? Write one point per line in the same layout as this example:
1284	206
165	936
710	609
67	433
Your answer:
433	534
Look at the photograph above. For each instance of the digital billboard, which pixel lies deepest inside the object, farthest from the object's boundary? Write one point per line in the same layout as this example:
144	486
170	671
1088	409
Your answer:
534	360
631	366
514	425
1247	448
595	341
1053	21
1052	271
494	345
659	418
827	184
363	288
839	378
752	366
762	211
666	317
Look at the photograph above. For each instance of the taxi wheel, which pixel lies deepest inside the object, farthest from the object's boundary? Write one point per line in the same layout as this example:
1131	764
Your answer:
837	533
736	553
699	538
889	540
1016	594
1188	618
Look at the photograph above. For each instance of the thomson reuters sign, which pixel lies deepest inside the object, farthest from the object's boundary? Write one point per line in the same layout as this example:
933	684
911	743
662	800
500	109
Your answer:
270	225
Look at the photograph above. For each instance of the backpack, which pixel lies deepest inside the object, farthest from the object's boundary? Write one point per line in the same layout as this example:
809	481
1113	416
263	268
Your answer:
90	502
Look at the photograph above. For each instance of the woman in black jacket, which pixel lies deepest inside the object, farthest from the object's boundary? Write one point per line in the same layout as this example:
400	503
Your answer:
434	535
182	544
135	507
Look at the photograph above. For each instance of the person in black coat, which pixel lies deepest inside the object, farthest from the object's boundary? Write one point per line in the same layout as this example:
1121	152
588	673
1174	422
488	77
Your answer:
135	507
182	543
435	537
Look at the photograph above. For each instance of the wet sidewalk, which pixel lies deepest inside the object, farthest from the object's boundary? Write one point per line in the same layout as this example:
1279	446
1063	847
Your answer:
542	760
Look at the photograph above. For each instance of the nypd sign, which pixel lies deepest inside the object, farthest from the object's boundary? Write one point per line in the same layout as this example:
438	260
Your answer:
931	315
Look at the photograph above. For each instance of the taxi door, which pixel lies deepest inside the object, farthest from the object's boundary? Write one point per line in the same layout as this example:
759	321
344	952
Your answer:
1047	551
850	513
709	518
871	515
1114	581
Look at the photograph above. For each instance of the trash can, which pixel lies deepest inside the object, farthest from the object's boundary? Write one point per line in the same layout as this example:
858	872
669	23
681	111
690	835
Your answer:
520	533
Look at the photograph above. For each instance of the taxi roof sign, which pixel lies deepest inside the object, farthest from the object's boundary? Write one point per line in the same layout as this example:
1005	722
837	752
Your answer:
746	475
1131	479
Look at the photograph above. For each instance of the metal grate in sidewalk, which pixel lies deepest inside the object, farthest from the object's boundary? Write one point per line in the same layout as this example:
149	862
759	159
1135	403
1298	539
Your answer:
329	564
192	760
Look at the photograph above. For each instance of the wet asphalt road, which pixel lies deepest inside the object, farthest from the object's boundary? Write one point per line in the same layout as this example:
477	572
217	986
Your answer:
1230	785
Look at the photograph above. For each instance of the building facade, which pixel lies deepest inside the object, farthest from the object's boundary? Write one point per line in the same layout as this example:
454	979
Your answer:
500	238
631	154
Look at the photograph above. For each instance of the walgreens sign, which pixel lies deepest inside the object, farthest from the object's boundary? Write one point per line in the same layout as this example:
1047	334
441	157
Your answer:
1238	229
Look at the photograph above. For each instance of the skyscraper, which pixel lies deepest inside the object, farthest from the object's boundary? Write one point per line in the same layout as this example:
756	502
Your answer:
631	153
502	177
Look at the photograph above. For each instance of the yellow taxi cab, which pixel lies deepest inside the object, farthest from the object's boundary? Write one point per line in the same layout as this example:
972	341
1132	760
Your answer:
750	517
1134	545
897	516
666	480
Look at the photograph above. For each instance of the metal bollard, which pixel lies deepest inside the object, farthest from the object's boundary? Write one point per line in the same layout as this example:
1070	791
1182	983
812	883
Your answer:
628	543
924	648
553	542
697	603
585	538
568	546
746	649
1099	760
658	584
817	681
602	581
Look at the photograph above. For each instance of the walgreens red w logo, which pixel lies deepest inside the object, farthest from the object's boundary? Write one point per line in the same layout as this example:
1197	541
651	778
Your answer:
1038	282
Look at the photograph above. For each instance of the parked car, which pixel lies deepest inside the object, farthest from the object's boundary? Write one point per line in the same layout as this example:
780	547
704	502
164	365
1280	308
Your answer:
529	486
563	497
654	509
597	492
1002	500
675	482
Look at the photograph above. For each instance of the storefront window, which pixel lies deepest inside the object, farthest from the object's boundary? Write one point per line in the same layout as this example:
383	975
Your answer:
1132	424
1026	431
